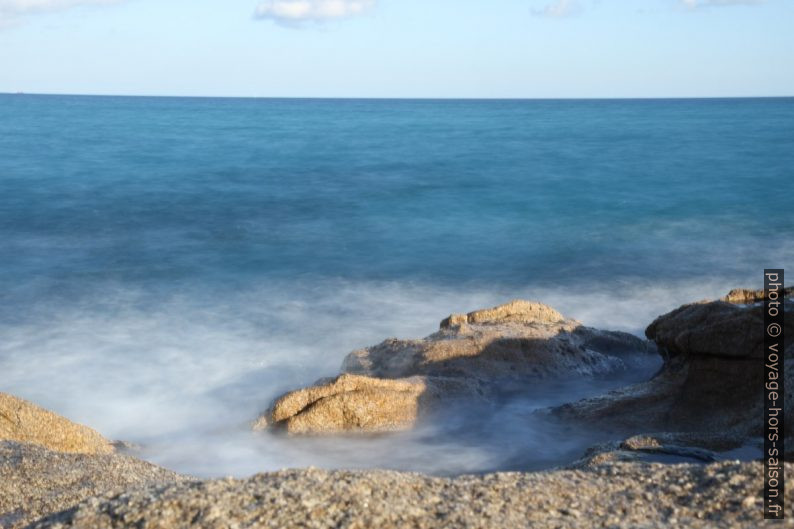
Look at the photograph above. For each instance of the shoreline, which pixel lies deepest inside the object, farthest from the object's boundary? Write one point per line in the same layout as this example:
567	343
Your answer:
69	476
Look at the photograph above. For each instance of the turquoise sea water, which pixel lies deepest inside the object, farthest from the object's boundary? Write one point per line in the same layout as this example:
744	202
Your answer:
168	265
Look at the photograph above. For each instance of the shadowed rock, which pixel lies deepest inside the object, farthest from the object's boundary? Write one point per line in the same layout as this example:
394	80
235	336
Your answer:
518	339
712	381
717	329
23	421
391	385
680	448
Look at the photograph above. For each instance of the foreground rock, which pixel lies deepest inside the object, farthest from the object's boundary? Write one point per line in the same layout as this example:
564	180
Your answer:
617	495
35	481
391	385
25	422
712	381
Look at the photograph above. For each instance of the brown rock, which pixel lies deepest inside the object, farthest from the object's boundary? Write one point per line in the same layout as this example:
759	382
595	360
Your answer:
747	296
23	421
713	328
349	402
516	311
711	383
360	403
390	385
518	339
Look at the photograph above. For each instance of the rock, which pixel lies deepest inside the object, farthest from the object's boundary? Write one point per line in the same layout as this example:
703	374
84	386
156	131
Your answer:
23	421
618	495
747	296
711	382
683	447
35	481
516	311
716	329
519	339
390	385
359	403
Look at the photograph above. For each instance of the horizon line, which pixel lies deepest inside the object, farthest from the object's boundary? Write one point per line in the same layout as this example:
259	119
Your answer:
403	98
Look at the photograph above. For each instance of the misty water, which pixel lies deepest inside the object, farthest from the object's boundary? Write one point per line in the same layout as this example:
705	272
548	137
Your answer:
169	266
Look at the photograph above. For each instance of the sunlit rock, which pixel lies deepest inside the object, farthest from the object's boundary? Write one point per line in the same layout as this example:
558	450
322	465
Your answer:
391	385
353	402
25	422
745	295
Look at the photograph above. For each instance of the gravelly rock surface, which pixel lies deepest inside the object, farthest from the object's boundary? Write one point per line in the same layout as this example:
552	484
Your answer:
35	481
619	495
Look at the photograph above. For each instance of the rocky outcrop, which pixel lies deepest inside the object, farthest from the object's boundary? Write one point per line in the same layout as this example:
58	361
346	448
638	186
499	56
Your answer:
712	380
747	296
707	395
516	311
715	329
617	495
391	385
518	339
354	402
672	447
25	422
35	481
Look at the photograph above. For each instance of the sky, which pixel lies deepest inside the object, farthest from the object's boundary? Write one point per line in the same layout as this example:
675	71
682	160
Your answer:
399	48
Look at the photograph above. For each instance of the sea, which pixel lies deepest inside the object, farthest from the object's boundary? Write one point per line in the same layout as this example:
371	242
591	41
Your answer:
169	265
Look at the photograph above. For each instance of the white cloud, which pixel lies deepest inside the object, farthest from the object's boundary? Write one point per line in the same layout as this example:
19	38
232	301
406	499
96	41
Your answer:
694	4
298	11
558	9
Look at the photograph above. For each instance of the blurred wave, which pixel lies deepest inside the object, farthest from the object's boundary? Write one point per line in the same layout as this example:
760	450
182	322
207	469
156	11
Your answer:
169	265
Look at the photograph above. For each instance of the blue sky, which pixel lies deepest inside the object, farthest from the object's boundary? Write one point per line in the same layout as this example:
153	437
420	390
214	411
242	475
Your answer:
399	48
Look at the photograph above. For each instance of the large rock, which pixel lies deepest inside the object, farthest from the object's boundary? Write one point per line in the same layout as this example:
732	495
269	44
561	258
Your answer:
712	381
616	495
392	384
354	402
518	339
716	329
25	422
35	481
